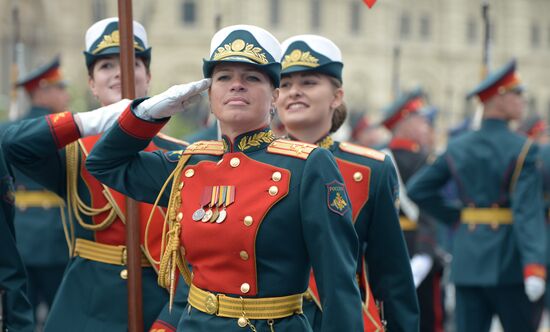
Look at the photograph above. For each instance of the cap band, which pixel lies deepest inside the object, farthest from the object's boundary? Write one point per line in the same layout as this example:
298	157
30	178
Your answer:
112	40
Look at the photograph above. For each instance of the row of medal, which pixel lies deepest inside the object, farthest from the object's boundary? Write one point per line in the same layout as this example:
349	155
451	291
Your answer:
214	201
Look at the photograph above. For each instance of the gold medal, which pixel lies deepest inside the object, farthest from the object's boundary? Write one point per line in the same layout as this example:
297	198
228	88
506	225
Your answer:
219	202
215	215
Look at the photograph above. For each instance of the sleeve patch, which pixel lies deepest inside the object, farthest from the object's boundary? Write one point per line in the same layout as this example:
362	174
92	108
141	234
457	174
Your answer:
337	198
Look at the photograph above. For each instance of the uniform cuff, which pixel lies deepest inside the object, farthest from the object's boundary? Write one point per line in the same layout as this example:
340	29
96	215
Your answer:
63	128
536	270
136	127
160	325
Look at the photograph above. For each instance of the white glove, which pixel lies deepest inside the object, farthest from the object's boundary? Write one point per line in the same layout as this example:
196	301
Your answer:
421	264
97	121
534	287
171	101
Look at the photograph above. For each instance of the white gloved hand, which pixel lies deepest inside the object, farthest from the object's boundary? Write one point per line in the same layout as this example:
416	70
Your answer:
421	264
97	121
171	101
534	287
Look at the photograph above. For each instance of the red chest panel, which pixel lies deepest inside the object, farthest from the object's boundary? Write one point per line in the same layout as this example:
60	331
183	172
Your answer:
223	254
116	233
357	181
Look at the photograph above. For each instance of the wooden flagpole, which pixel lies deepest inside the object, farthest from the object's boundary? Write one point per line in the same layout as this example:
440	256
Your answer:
127	61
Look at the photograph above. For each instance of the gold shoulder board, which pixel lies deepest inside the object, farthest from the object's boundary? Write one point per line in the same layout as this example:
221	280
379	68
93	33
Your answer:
291	148
362	151
206	147
172	139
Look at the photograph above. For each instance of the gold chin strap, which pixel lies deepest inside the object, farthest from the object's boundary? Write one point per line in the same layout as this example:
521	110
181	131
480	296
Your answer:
172	255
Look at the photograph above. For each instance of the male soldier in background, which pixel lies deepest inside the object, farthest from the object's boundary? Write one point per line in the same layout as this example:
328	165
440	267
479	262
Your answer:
535	128
409	150
499	247
15	310
40	237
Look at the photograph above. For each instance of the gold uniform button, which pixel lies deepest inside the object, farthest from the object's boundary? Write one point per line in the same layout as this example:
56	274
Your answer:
357	176
273	190
189	173
248	220
244	255
234	162
276	176
180	187
242	322
179	217
245	288
124	274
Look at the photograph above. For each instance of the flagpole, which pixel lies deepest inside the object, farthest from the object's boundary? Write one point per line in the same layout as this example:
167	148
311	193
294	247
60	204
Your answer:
127	61
486	59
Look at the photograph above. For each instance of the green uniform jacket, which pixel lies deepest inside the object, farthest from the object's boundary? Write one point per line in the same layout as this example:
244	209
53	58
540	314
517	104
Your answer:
42	220
93	295
482	164
380	238
17	311
298	218
545	159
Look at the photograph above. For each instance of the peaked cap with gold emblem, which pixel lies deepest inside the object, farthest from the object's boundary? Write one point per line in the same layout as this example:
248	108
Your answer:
46	75
311	53
409	102
245	44
103	38
501	81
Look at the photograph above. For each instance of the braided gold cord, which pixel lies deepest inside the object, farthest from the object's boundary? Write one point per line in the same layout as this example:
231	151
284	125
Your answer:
76	205
171	255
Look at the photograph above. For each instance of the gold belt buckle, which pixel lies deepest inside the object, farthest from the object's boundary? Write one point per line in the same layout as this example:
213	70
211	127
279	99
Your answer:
124	256
211	304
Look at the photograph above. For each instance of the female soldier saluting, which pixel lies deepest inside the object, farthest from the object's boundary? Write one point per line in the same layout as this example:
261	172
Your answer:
251	214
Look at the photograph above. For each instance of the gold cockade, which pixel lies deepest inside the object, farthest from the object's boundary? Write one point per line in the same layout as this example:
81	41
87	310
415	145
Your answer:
240	48
299	58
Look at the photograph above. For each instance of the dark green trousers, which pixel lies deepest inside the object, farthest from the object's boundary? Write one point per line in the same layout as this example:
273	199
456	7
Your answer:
476	306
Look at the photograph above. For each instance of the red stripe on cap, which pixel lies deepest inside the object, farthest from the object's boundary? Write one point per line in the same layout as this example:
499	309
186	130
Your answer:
48	78
411	107
505	84
404	144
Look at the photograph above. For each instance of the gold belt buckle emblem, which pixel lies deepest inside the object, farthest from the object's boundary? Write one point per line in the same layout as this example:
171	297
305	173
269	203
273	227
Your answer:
211	303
